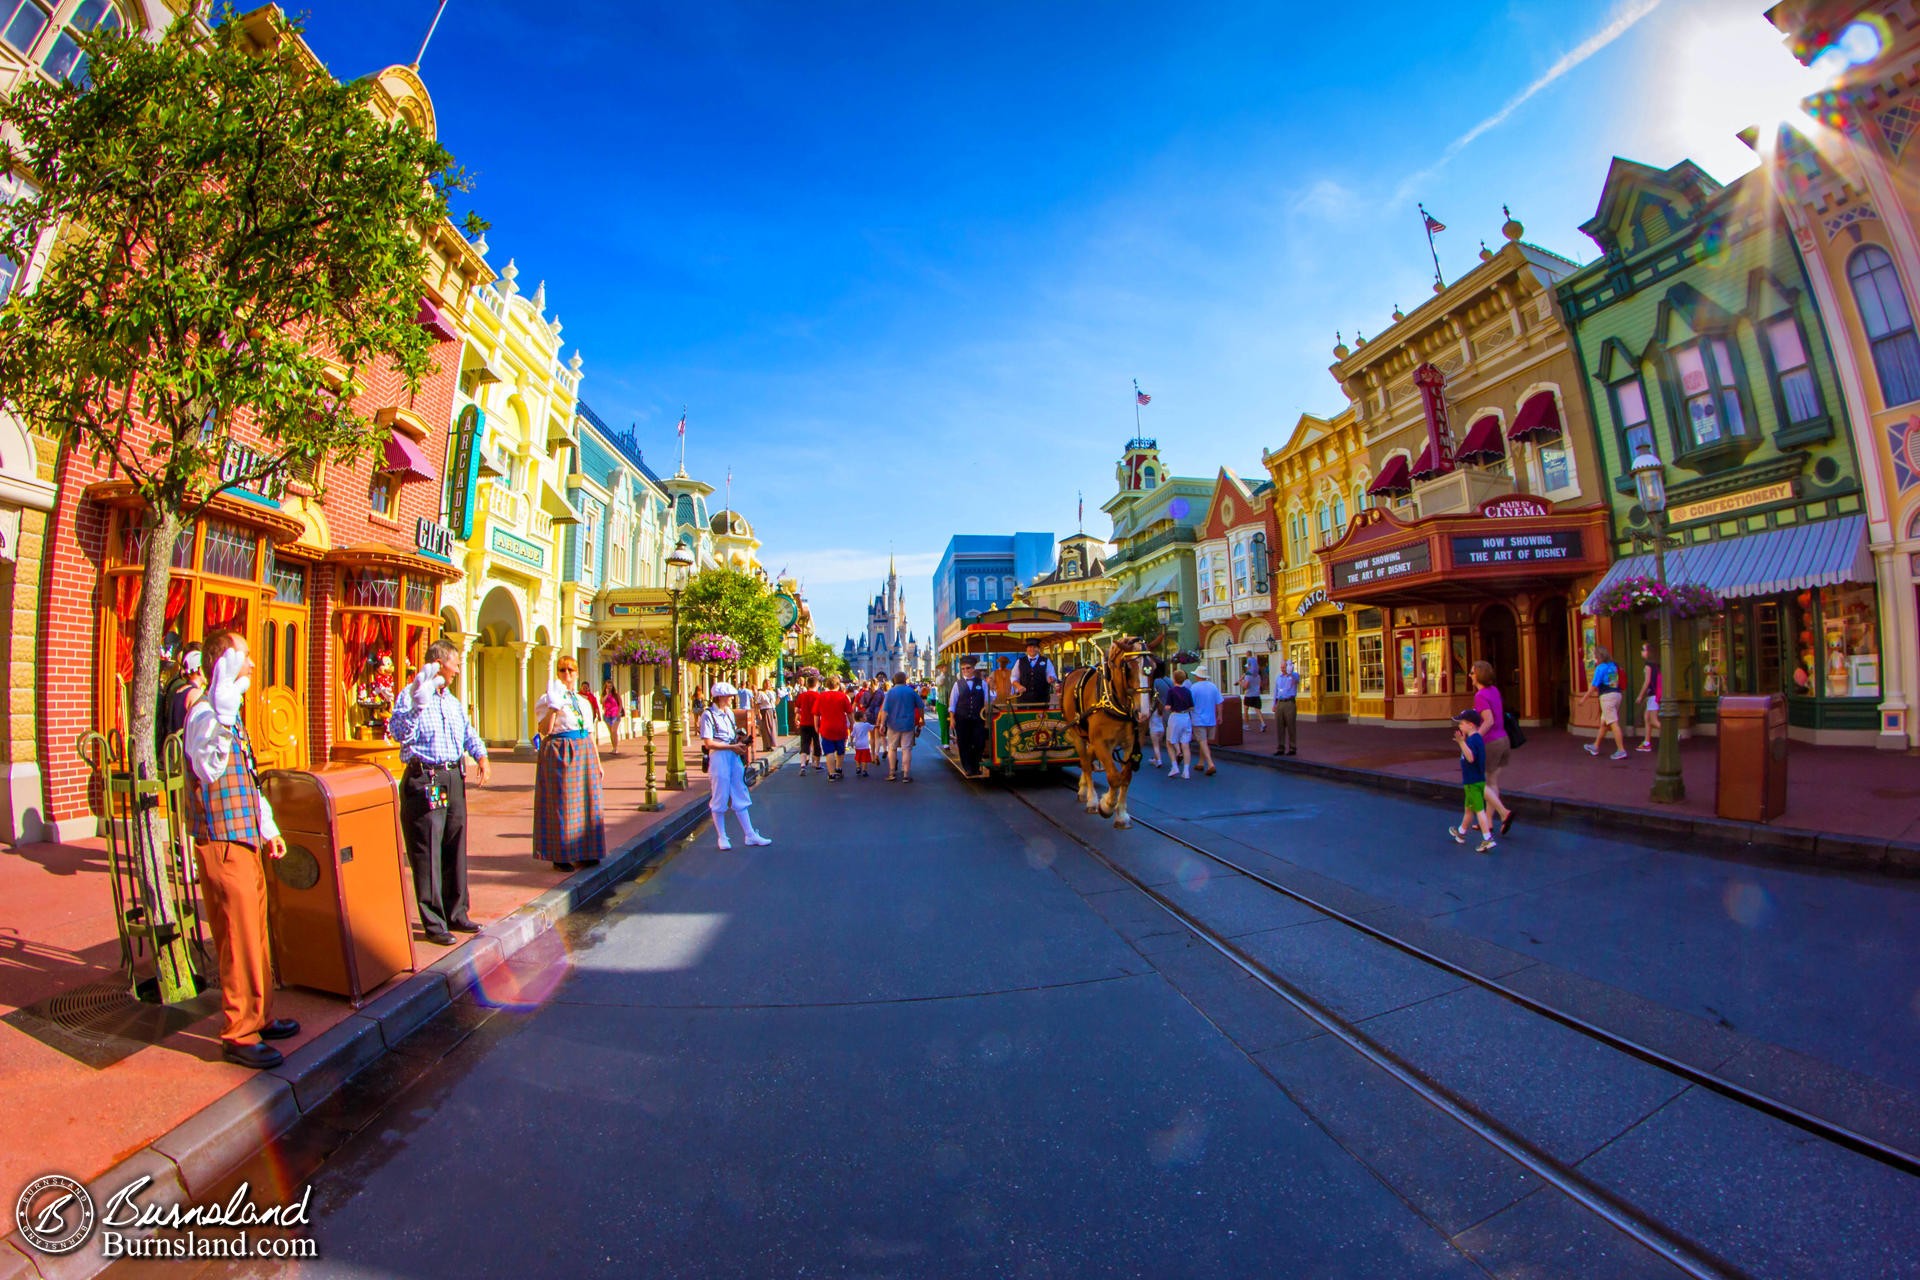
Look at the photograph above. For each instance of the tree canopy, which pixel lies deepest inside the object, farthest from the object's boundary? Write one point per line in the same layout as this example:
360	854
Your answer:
1134	618
823	656
728	602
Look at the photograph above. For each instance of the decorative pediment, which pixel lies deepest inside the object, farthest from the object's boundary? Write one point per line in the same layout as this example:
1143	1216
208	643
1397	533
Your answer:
1616	362
1686	313
1640	205
1767	295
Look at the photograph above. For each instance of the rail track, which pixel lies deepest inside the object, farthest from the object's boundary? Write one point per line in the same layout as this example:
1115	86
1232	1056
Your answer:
1689	1257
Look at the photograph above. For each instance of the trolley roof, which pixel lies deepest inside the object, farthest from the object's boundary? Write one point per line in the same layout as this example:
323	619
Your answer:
1001	630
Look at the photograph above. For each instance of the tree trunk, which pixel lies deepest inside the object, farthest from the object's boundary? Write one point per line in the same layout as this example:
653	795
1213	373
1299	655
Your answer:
147	832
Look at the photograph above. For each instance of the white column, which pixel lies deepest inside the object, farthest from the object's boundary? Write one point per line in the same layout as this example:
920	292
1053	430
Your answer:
522	651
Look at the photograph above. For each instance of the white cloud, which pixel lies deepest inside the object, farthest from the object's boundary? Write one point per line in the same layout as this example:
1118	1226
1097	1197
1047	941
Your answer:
1327	199
1617	26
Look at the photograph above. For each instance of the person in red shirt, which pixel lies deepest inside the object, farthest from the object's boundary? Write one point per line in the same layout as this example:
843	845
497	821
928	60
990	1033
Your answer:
832	722
803	720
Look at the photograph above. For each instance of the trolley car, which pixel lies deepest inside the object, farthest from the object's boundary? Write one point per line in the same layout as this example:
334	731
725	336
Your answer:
1020	739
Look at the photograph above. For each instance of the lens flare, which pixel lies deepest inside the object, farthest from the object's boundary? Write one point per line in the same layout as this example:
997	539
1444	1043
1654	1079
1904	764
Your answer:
529	980
1747	903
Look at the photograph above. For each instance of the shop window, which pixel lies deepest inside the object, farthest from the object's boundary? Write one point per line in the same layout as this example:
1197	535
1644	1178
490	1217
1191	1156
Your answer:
370	589
1630	411
1373	665
1889	323
1553	466
1710	392
1431	660
66	61
380	494
229	551
289	581
1799	392
135	534
1849	642
420	595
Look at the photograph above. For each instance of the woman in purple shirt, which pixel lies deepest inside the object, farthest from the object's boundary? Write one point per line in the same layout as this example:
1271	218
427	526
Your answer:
1493	731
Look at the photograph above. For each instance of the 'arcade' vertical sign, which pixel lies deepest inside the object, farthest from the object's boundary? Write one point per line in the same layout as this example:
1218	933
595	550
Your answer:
463	470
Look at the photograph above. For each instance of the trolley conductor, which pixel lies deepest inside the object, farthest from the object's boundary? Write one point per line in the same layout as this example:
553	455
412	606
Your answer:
1034	678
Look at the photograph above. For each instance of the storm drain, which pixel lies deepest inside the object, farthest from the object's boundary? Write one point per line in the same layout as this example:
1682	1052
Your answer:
100	1024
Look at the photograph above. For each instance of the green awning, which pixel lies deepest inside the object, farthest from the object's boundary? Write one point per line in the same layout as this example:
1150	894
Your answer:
1821	553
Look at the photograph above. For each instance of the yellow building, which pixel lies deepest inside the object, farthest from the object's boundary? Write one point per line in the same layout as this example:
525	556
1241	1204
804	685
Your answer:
1851	195
514	432
1320	480
1078	581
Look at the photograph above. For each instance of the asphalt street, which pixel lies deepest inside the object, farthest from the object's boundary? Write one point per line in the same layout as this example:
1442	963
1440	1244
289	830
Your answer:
925	1033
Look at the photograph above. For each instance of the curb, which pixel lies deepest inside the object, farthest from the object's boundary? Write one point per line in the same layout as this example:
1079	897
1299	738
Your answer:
191	1159
1789	846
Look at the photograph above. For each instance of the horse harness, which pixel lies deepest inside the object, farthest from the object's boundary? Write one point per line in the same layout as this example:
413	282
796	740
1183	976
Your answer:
1104	703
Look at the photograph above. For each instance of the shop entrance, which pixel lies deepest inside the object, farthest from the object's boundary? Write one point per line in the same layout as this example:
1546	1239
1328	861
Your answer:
1553	680
1500	645
496	688
282	675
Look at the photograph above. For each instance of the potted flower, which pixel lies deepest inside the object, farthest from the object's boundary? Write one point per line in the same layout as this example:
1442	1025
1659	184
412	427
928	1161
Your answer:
709	648
1637	593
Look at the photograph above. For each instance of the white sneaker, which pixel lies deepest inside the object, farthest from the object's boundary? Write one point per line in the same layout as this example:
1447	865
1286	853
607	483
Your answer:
723	842
1174	772
1187	774
1618	755
754	837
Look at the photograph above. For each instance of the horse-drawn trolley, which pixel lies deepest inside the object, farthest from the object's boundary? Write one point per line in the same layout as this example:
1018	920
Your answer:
1022	736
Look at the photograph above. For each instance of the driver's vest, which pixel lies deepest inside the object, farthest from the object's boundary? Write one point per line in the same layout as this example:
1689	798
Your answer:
972	700
1032	677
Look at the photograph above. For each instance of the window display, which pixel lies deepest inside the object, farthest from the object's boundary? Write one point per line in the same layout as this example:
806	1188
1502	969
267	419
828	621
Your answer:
1850	639
1373	664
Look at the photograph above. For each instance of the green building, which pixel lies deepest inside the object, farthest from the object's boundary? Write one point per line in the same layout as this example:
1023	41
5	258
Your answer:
1700	343
1156	522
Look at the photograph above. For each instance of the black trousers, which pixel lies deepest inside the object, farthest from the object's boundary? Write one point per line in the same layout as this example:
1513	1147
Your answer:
436	844
970	737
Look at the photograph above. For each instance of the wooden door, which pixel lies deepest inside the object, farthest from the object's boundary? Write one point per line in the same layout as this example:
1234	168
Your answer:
281	677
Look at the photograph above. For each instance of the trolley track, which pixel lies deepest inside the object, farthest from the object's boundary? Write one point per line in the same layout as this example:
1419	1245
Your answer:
1689	1257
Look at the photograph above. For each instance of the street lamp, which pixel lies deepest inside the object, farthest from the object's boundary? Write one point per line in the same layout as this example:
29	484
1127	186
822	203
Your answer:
1649	481
679	560
1163	607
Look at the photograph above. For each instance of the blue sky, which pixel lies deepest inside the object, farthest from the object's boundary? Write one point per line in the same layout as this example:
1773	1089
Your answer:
903	262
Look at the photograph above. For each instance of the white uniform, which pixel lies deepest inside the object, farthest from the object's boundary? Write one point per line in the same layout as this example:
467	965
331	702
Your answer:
726	772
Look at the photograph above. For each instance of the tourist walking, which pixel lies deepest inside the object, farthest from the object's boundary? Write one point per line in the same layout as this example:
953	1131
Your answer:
901	714
1157	717
764	702
1473	780
1179	726
1033	678
1605	684
613	712
833	720
1206	714
966	705
1492	724
1252	685
569	827
727	752
1649	700
233	827
803	721
862	740
434	734
1286	717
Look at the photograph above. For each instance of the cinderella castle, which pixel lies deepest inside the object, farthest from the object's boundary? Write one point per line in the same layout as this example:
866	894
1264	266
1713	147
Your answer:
888	646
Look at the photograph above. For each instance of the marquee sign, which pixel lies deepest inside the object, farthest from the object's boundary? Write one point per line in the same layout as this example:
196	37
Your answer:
1493	549
1415	557
1515	506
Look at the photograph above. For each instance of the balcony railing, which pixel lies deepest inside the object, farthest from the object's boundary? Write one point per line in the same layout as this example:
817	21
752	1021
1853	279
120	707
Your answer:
1165	538
1305	578
507	506
542	527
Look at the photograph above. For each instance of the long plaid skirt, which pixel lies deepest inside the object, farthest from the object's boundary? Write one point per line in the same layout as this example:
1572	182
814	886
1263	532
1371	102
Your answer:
567	821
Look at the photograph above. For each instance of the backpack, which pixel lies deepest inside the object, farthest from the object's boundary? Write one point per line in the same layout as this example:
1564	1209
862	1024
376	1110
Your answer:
1516	737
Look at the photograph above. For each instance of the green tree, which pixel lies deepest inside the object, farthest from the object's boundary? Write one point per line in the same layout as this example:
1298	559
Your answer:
818	653
225	217
728	602
1134	618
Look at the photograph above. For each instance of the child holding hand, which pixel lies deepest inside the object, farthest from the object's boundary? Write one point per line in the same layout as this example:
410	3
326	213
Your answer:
1473	777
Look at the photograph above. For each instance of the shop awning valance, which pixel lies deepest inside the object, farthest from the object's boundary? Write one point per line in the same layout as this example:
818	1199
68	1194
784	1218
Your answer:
1423	466
376	555
1483	443
555	504
243	508
1393	481
1823	553
406	458
435	321
1538	419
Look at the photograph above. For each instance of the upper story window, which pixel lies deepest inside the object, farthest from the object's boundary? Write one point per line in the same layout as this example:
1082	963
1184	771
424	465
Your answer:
54	29
1203	576
1242	583
1799	391
1630	411
1323	518
1710	390
1008	585
1339	514
1298	534
1889	323
973	590
586	545
1147	478
380	494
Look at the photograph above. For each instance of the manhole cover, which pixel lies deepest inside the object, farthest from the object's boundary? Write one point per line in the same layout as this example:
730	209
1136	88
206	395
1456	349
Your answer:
101	1024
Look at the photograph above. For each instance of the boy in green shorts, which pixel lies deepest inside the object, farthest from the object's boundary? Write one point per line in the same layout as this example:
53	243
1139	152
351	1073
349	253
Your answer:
1473	774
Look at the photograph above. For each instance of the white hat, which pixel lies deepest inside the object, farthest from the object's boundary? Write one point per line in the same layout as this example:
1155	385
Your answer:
721	689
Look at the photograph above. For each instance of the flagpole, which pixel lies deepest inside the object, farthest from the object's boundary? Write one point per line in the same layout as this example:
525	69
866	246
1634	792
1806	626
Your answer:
431	28
683	439
1426	220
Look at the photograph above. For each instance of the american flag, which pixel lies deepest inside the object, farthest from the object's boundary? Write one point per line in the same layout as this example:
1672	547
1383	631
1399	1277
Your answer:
1139	396
1433	224
683	424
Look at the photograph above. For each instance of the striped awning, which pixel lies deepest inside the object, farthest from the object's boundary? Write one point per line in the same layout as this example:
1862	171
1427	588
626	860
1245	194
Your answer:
1823	553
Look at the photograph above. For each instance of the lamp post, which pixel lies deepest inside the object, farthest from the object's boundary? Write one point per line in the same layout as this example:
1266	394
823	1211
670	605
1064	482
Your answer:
1649	481
1163	608
679	560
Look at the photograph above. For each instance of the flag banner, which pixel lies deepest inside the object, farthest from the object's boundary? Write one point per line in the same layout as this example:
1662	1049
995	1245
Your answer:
1139	396
1433	224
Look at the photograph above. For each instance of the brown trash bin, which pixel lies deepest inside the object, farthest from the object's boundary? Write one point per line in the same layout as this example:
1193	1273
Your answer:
338	900
1752	766
1230	732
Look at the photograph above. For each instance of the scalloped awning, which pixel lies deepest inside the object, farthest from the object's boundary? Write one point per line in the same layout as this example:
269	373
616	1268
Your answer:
1538	419
1483	443
1823	553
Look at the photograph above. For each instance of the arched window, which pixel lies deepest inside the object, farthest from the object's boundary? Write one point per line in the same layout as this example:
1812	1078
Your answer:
1008	585
1203	575
1889	323
1147	478
23	23
1323	520
1242	581
973	590
1339	514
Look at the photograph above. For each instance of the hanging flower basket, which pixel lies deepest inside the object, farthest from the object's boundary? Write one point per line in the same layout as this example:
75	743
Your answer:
809	673
713	649
1641	594
633	650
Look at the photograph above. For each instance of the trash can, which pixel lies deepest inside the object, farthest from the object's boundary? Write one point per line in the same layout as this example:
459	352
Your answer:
338	904
1752	783
1228	732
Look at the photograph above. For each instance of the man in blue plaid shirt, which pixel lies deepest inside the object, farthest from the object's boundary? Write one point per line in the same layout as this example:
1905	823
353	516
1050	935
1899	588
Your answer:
434	734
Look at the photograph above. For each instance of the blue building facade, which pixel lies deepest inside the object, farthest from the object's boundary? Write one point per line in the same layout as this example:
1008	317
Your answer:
980	570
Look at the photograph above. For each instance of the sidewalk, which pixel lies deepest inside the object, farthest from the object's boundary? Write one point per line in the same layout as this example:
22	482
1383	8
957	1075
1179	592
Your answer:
80	1095
1853	806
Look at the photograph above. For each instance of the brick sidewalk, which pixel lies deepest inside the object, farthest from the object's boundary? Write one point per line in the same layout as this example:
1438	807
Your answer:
57	936
1854	792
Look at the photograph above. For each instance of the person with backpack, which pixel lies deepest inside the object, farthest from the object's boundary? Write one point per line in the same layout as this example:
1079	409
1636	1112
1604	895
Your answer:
1493	735
1650	691
1605	684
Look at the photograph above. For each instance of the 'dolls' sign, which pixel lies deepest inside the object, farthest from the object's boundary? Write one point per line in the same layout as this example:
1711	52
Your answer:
433	537
1515	506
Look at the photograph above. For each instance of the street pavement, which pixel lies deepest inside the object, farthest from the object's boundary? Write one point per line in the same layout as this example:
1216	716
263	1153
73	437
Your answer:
926	1034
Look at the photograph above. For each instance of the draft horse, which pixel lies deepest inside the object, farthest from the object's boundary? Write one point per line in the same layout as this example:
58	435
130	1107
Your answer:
1105	708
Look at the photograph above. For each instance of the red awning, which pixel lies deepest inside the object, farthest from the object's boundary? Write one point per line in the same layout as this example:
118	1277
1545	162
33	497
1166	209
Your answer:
1423	465
1392	481
435	321
405	458
1483	443
1538	419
